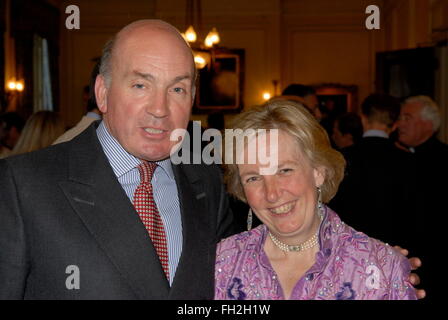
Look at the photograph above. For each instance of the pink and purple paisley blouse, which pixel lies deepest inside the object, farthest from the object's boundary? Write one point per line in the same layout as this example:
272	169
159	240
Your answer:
349	266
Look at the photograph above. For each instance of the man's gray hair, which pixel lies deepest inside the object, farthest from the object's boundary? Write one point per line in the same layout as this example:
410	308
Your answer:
430	110
105	65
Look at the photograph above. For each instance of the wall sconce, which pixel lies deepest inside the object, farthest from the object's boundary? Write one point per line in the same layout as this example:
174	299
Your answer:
11	85
193	15
190	34
14	86
200	61
202	58
212	38
266	96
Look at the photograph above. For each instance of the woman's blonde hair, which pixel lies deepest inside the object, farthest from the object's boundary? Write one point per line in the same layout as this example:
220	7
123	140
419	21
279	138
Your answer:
294	119
40	131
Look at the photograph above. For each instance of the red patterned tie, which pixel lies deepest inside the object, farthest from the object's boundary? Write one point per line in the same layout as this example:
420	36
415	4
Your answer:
149	214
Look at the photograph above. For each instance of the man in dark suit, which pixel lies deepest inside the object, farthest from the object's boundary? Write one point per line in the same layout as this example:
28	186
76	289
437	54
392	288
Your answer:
372	196
427	177
68	226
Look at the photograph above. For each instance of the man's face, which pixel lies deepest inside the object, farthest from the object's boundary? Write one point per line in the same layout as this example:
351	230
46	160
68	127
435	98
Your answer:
150	93
412	129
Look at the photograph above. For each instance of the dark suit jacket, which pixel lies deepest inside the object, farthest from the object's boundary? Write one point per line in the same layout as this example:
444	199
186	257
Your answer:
373	194
428	176
63	206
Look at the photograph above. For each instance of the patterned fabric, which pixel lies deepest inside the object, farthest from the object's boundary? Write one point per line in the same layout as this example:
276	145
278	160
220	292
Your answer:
146	207
348	266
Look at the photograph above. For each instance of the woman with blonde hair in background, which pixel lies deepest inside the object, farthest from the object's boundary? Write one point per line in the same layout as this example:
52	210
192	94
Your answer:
41	129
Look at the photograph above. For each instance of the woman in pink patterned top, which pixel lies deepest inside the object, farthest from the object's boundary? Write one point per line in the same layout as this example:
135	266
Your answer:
302	250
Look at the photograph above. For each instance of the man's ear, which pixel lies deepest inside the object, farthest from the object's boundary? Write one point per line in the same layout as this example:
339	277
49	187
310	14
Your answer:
394	126
319	176
193	93
101	93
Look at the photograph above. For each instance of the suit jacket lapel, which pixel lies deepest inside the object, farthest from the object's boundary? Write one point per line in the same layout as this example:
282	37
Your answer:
198	235
97	197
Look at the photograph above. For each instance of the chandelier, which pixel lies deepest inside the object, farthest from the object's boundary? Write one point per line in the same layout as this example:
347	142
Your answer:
201	50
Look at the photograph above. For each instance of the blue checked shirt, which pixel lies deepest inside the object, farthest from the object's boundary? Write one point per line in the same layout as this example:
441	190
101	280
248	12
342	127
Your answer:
166	197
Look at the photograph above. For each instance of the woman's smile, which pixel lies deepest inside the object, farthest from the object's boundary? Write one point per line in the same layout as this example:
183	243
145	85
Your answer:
283	209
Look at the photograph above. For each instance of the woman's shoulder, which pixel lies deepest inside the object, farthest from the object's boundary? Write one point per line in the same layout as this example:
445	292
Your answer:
370	267
348	241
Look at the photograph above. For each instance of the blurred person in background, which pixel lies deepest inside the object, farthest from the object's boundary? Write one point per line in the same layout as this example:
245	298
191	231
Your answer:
308	96
40	130
11	125
418	126
427	174
347	130
374	188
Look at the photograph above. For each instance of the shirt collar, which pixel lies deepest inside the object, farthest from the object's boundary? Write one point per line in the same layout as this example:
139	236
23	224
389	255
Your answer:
375	133
122	161
93	115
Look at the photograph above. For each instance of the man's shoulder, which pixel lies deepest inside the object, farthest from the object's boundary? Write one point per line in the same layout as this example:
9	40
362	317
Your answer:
360	246
441	146
37	167
39	157
433	149
376	144
53	157
373	152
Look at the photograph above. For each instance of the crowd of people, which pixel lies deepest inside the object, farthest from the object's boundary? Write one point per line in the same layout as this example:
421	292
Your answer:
106	197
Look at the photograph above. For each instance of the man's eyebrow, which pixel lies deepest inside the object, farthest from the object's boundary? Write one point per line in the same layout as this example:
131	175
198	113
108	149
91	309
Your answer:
146	76
180	78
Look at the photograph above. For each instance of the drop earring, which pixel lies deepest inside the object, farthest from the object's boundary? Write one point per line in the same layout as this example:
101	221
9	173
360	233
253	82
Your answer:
249	220
320	207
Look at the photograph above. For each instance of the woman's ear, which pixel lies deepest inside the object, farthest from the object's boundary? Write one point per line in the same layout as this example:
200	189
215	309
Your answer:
319	176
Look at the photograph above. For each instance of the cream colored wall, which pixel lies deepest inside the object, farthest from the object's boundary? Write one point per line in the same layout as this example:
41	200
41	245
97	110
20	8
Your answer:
100	19
306	41
327	42
407	24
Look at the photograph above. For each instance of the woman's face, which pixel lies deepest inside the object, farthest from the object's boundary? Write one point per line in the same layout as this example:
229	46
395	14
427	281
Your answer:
286	200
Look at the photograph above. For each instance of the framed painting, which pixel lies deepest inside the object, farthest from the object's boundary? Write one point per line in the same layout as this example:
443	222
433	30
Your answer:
337	98
221	81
